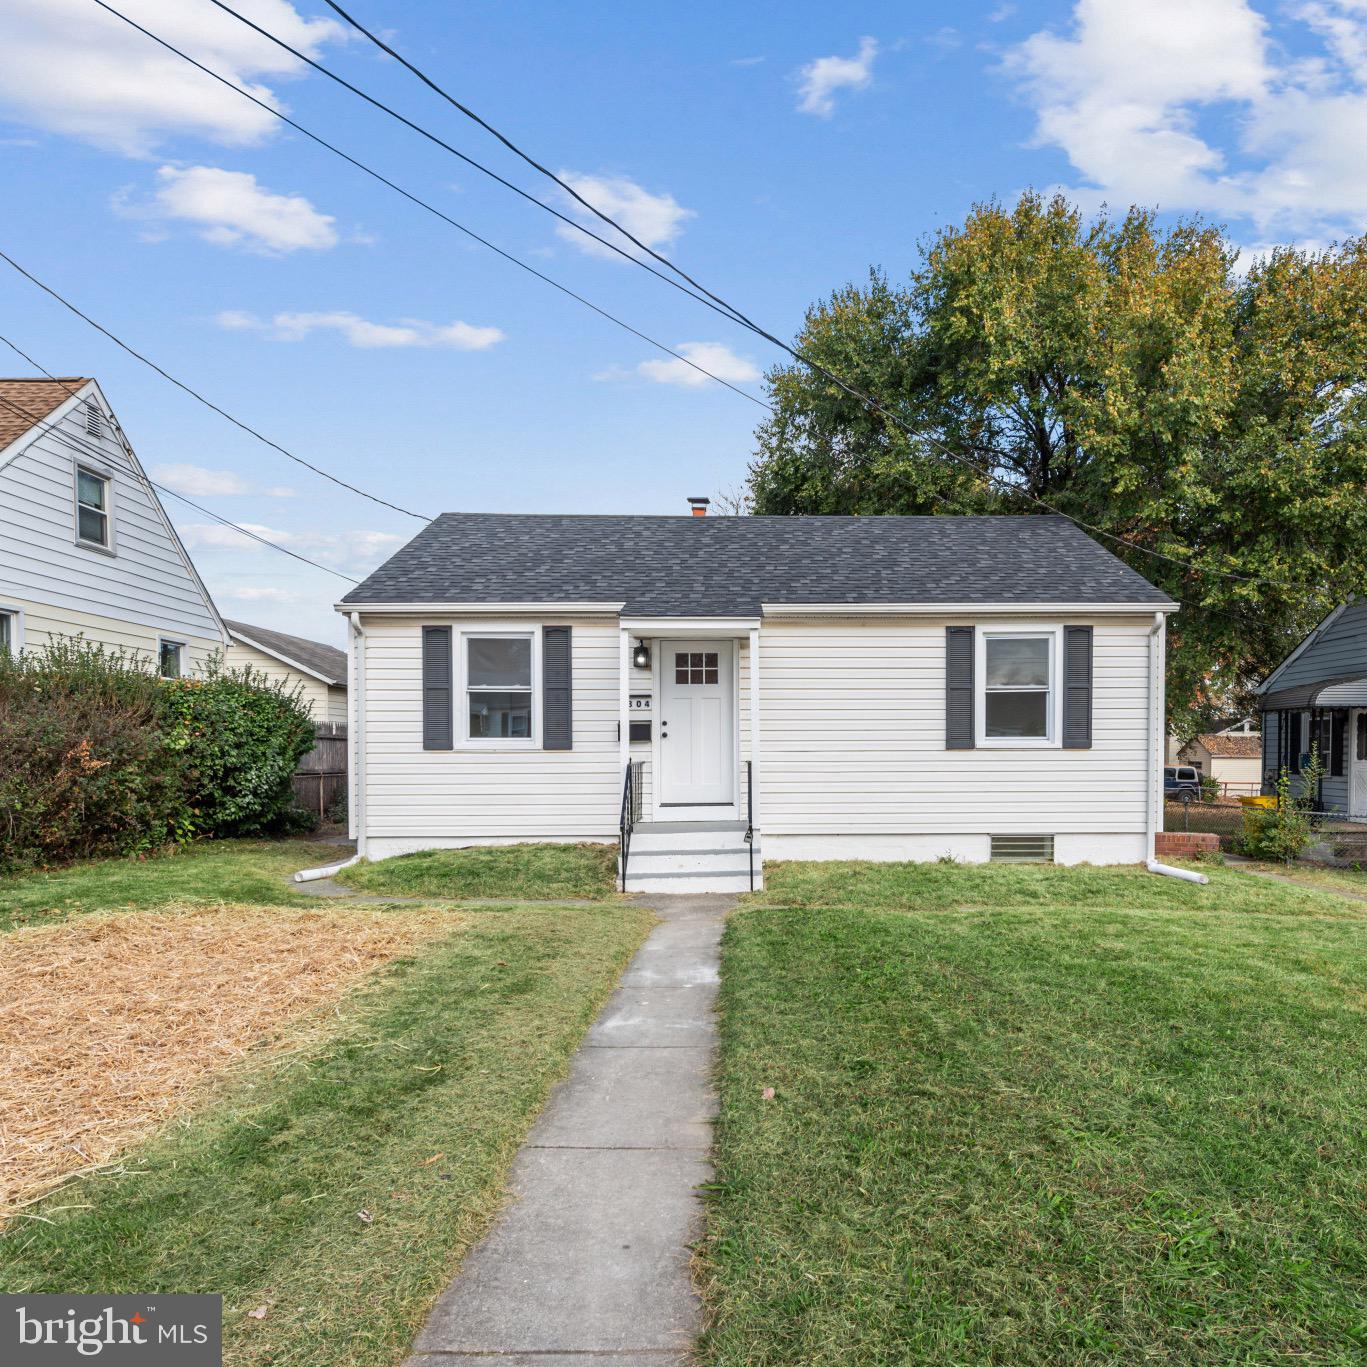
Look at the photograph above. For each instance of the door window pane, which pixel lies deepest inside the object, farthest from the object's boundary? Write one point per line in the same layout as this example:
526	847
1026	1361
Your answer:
496	716
1361	748
1017	662
500	662
696	667
1017	715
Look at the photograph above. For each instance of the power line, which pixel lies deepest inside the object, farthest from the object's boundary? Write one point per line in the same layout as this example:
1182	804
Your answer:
80	447
728	309
431	209
468	160
208	403
530	160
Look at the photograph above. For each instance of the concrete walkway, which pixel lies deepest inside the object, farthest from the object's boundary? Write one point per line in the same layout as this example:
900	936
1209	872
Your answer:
589	1266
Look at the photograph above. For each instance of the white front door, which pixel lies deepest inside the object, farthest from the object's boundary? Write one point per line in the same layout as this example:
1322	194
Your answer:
1357	748
697	724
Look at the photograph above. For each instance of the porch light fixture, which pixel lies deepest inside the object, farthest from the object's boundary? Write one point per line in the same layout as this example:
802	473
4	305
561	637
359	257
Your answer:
640	657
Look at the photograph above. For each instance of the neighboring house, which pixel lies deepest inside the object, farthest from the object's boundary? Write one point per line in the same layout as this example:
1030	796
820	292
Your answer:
1233	726
85	546
1234	759
847	687
319	671
1318	696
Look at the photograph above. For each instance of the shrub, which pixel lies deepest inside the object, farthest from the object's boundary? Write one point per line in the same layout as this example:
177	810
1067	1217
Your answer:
86	768
240	736
1282	832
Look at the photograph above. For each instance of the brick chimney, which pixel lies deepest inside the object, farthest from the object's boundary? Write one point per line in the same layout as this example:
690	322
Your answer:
699	506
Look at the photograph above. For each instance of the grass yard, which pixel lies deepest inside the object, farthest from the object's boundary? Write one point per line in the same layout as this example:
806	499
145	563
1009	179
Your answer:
532	872
1038	1116
318	1134
208	871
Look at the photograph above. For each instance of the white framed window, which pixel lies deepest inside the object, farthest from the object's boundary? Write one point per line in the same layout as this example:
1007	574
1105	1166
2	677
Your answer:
171	659
94	510
1018	700
500	687
11	630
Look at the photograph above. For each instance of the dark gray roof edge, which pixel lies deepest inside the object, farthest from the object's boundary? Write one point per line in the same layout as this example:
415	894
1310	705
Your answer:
315	657
727	567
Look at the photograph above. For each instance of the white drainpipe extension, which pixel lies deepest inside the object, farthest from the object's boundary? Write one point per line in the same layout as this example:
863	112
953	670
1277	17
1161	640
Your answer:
326	871
1156	752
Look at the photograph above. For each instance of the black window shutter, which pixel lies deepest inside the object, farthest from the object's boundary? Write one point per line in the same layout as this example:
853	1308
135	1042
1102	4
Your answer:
1077	688
1293	744
958	688
557	689
436	688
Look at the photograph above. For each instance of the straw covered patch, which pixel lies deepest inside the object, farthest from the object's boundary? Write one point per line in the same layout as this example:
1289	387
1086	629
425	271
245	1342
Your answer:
108	1024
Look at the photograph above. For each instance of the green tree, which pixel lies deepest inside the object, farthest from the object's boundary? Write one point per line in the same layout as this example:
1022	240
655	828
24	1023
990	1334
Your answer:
1133	378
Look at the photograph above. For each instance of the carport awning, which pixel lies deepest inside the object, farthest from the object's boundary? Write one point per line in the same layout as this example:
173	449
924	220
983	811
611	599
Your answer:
1344	690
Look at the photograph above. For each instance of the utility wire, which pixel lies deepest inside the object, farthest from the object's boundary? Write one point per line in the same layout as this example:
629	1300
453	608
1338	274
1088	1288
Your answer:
530	160
722	305
208	403
431	209
468	160
79	446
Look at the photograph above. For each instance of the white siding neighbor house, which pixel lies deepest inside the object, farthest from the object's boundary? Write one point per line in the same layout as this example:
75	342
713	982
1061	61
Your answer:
86	548
316	670
719	691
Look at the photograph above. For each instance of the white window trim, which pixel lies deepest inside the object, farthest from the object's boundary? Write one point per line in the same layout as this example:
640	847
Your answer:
16	628
100	471
462	738
1054	710
162	643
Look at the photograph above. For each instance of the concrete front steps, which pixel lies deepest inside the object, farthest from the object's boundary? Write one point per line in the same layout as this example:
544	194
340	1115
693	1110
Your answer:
690	856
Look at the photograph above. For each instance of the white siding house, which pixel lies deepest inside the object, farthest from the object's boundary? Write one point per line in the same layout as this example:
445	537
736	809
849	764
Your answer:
317	672
86	548
800	688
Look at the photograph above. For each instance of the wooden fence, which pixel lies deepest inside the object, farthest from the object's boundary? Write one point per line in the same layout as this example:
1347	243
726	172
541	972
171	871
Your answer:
320	779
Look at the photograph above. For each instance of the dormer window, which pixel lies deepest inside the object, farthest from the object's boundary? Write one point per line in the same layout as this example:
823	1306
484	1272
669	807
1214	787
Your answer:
92	508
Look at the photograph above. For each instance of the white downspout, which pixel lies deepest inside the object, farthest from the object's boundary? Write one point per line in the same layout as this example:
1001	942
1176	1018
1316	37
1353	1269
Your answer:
356	647
1157	754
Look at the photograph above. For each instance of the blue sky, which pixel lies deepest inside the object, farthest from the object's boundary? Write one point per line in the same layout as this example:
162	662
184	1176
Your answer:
775	151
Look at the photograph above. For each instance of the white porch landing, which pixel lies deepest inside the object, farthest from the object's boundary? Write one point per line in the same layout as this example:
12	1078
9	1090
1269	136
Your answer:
691	856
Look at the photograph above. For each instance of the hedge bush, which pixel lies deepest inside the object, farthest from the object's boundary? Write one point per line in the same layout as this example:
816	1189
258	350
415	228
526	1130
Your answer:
241	736
86	766
99	756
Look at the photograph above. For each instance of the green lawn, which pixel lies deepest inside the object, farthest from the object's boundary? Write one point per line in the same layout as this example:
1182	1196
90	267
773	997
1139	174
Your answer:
1039	1116
410	1112
209	871
534	872
406	1102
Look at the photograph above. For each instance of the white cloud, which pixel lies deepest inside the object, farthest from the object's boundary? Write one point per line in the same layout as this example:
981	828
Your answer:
360	332
822	78
198	482
1124	93
715	357
655	219
349	550
232	210
70	67
251	593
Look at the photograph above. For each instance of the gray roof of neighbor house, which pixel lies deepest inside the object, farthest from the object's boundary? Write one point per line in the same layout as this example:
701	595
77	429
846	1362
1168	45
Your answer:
327	662
729	566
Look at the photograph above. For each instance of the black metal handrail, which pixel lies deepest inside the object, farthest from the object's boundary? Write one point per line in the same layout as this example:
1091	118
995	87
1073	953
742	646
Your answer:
750	817
631	812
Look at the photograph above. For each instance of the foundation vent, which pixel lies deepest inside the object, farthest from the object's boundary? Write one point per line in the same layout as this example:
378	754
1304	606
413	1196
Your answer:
1023	849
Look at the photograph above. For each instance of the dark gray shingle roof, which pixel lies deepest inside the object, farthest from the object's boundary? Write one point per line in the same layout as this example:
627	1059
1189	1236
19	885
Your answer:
327	661
729	566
